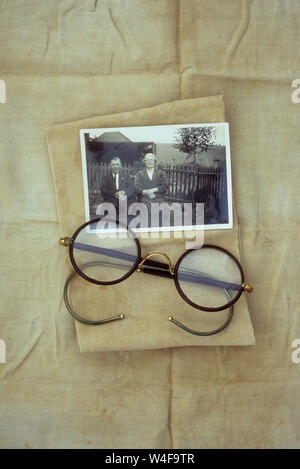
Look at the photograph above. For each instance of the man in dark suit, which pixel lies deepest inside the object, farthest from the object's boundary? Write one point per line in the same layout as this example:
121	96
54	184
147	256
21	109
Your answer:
115	185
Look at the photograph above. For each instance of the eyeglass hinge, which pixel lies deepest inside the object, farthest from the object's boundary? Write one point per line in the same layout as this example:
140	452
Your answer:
65	241
247	288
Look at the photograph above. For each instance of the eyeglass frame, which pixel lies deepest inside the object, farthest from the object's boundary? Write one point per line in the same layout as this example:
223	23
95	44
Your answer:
172	273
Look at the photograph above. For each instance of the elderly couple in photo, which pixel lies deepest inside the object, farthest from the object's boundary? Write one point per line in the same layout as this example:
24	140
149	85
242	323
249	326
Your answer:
149	184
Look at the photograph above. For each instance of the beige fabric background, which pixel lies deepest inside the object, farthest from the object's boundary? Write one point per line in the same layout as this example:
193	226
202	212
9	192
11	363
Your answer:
58	60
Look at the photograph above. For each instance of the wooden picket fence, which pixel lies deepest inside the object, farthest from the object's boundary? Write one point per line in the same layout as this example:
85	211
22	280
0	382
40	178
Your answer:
186	184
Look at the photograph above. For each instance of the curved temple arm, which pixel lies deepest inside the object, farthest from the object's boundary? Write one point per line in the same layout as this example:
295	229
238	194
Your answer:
122	316
204	333
74	315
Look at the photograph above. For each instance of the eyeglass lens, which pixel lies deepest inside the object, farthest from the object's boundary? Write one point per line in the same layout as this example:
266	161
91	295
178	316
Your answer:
109	255
209	277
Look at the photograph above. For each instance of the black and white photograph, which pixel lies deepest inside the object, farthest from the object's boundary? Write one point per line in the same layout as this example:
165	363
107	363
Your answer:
173	173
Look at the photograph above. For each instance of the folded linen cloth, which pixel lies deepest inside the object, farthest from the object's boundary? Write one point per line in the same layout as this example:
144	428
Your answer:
146	302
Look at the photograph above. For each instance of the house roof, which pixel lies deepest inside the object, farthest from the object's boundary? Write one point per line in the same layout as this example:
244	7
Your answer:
112	137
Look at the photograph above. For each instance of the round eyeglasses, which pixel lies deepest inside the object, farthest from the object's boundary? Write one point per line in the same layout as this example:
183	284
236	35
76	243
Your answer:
105	253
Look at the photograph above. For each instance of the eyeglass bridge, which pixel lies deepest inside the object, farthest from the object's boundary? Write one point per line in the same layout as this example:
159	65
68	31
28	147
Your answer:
156	253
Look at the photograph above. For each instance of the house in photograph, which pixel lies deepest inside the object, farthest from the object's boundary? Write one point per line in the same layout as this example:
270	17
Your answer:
109	144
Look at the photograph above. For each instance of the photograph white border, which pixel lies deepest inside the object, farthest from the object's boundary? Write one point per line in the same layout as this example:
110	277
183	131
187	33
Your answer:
219	226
